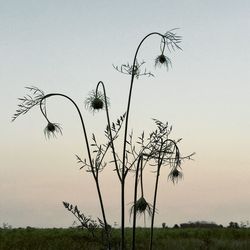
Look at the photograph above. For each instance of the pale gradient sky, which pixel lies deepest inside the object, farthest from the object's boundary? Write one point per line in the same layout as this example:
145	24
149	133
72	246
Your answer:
68	46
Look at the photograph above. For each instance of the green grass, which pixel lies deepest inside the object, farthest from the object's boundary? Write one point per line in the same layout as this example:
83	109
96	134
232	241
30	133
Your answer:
172	239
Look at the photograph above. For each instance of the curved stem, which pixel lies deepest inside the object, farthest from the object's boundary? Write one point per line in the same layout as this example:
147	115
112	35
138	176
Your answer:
130	93
95	174
109	127
141	180
125	142
82	122
160	162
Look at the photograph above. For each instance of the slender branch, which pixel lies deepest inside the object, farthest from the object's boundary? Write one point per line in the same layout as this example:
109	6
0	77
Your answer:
139	163
130	94
125	139
162	152
154	203
95	174
81	118
109	126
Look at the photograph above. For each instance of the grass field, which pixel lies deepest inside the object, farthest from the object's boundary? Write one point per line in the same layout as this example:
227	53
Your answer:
172	239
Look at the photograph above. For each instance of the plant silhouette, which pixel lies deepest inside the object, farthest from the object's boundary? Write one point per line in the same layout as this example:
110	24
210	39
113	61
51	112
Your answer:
154	150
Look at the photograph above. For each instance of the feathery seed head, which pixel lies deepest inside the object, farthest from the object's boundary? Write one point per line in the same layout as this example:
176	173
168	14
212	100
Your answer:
51	129
175	175
95	101
141	206
162	60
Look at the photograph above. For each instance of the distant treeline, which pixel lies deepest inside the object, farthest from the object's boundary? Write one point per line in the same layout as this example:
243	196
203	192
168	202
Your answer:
200	224
205	224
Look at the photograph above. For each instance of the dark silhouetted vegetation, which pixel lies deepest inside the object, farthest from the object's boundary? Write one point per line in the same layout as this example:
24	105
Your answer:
169	239
153	150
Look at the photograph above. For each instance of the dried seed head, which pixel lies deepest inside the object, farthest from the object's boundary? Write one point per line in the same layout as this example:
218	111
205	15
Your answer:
162	60
141	207
51	129
95	101
175	175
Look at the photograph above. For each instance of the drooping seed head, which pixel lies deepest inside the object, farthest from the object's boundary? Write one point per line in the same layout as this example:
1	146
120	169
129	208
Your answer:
175	175
95	101
51	129
141	207
162	60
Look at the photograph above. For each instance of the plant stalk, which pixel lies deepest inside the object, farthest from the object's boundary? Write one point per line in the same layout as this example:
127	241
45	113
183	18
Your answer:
125	142
95	175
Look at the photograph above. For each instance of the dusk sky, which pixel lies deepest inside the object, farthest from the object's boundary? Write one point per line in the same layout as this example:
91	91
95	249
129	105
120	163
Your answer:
67	47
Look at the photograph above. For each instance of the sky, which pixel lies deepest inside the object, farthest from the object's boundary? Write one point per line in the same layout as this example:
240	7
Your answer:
67	47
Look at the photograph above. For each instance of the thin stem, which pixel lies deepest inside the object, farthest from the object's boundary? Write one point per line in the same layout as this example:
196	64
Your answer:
122	212
154	206
80	115
95	175
125	142
164	45
139	163
141	181
109	127
130	93
103	213
160	162
160	159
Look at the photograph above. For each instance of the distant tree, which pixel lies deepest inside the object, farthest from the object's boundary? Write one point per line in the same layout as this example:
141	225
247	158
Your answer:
6	226
244	224
233	225
199	224
163	225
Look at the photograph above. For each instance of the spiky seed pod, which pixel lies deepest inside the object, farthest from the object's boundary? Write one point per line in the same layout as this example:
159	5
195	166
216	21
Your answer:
175	175
162	60
141	207
51	129
95	101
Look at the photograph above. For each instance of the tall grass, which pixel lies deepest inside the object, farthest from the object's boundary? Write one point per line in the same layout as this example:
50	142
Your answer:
169	239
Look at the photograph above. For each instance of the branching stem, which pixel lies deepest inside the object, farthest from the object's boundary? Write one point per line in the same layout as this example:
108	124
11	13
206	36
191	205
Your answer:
109	127
125	142
95	174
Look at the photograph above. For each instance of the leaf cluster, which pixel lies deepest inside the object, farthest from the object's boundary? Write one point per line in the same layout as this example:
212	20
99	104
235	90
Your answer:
100	150
29	101
128	69
114	128
85	221
171	40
